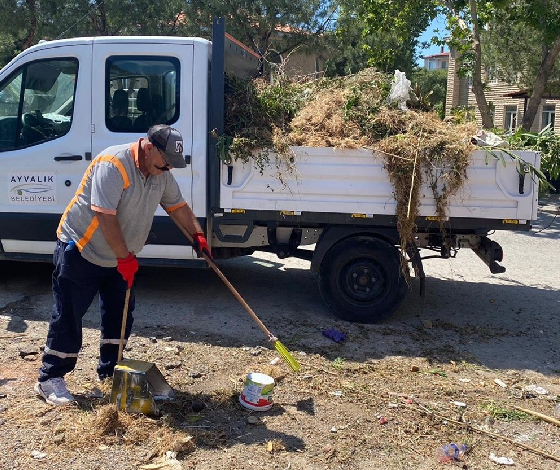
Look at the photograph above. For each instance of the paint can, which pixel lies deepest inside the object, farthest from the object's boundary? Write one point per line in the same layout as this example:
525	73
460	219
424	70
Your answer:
257	392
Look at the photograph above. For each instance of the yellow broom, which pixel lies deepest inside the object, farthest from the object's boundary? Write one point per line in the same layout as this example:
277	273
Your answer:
280	348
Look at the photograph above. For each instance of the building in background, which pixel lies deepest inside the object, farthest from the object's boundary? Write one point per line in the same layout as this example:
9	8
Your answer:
303	62
506	100
437	61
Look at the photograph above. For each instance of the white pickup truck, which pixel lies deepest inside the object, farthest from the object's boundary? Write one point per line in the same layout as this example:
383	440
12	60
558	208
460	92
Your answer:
63	101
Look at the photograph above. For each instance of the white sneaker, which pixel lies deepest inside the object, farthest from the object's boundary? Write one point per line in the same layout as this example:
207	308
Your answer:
54	392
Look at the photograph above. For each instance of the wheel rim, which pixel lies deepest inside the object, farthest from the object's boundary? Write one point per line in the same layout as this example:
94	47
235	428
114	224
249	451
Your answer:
362	281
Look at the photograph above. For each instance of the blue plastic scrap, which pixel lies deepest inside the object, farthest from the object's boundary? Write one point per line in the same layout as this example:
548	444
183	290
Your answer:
335	335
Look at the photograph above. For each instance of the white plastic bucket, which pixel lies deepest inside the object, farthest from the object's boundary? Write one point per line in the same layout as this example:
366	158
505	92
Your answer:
257	392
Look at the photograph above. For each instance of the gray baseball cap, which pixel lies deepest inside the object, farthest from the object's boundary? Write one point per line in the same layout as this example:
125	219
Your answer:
170	141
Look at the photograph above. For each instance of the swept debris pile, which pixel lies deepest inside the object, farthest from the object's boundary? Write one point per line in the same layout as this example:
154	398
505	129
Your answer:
350	112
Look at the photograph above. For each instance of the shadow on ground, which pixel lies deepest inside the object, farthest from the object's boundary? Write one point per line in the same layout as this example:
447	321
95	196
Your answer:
499	325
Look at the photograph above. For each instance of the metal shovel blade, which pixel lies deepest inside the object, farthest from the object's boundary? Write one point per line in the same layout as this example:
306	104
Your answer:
137	385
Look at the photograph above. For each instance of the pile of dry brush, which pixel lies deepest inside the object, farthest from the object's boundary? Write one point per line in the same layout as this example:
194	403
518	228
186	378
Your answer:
350	112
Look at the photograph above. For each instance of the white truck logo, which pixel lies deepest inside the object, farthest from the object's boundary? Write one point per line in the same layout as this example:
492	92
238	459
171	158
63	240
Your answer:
32	188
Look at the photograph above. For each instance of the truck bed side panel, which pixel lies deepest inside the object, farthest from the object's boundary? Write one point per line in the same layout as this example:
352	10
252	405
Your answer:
355	181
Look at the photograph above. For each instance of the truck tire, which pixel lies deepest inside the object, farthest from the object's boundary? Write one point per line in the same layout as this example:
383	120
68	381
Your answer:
361	280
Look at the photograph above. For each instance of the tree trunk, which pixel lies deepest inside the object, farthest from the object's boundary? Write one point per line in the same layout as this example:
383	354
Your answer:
99	19
549	59
485	114
33	23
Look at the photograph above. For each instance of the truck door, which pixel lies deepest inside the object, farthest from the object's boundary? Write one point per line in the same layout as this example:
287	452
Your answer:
45	142
135	85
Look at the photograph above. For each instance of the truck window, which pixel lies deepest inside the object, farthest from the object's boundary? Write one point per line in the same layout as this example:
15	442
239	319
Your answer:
141	91
37	103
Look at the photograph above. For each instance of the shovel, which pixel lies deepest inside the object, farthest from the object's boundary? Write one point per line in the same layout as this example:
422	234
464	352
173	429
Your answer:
137	384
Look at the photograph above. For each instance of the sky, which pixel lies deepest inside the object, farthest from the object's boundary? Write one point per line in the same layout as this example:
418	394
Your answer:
437	24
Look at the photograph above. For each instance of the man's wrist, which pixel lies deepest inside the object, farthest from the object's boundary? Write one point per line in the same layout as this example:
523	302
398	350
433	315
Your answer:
128	257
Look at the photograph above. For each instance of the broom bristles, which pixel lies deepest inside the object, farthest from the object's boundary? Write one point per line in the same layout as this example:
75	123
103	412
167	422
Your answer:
292	362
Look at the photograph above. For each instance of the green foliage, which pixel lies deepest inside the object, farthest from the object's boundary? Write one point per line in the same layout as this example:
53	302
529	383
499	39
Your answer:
338	363
256	119
463	114
347	54
281	101
546	142
517	62
252	22
364	101
24	23
400	21
255	22
430	88
503	414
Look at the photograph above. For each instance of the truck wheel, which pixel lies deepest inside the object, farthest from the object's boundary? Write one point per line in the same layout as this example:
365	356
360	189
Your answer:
361	280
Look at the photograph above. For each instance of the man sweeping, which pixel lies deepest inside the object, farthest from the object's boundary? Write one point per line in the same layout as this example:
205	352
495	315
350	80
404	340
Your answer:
104	226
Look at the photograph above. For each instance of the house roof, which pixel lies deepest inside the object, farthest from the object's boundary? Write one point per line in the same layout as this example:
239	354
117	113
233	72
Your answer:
243	46
527	94
435	56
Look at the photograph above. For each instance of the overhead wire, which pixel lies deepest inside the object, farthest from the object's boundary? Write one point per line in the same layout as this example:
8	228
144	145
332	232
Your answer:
94	4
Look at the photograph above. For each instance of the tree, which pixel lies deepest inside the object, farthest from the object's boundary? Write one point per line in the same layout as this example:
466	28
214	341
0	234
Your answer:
465	21
354	47
469	23
272	28
431	86
408	19
19	25
530	60
24	22
402	20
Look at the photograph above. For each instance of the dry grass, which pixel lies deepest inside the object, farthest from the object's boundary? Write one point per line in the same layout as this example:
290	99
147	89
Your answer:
333	414
352	112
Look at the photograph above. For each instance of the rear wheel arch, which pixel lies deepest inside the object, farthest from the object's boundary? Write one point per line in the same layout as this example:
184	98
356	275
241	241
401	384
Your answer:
361	279
334	235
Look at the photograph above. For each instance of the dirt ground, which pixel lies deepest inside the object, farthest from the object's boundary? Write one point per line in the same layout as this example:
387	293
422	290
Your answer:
454	366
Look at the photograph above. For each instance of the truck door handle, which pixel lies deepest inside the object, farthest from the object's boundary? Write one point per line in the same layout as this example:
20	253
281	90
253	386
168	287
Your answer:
229	174
523	170
59	158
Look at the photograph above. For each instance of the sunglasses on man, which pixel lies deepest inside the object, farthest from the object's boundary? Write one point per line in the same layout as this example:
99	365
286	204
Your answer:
167	166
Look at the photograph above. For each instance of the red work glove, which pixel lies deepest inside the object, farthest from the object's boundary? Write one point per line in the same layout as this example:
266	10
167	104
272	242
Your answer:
128	267
200	245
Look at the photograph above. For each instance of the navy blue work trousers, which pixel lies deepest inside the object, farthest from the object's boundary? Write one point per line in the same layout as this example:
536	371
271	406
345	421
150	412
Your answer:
75	283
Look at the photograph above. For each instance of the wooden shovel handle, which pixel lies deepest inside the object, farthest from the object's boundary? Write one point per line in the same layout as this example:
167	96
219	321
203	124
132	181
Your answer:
123	325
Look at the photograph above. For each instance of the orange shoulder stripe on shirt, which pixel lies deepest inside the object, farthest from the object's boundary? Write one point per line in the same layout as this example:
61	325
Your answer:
175	207
80	190
103	210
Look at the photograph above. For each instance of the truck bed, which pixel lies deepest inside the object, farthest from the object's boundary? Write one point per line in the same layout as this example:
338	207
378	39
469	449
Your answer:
354	181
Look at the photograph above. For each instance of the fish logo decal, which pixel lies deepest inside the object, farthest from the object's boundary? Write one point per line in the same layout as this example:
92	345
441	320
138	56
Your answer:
31	188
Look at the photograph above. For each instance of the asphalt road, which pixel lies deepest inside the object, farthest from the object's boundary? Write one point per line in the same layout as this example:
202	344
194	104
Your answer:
507	321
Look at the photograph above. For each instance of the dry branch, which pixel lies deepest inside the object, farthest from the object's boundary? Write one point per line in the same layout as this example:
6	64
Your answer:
493	435
544	417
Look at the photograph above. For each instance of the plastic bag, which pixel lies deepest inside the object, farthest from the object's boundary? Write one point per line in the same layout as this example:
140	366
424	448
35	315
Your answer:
400	90
488	139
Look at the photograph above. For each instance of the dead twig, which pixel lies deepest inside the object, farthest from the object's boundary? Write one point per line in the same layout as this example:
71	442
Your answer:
493	435
546	418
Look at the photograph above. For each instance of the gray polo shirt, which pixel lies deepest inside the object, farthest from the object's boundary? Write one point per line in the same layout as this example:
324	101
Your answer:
113	182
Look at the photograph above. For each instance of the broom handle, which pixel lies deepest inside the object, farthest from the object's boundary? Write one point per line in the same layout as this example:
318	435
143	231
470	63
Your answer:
123	325
237	295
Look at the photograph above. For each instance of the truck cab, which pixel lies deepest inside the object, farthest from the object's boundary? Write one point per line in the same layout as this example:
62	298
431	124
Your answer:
63	102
